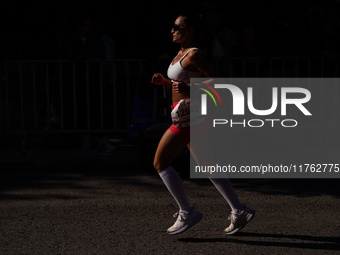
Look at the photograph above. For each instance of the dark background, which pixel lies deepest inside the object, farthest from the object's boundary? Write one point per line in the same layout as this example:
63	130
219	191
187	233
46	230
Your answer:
40	30
141	29
74	202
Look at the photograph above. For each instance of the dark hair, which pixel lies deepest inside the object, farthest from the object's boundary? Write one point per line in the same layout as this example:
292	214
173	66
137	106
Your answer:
202	33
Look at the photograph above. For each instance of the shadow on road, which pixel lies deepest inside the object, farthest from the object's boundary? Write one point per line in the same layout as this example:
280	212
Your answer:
292	187
77	180
303	241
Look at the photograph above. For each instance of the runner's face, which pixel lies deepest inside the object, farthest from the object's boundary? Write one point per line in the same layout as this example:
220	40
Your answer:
180	31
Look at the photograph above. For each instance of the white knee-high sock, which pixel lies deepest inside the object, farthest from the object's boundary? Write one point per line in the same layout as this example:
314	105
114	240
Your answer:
175	186
225	187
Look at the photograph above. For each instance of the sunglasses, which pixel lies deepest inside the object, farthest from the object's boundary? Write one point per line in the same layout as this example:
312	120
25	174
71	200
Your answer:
176	27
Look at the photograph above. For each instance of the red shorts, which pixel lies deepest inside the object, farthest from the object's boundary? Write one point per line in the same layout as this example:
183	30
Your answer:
183	133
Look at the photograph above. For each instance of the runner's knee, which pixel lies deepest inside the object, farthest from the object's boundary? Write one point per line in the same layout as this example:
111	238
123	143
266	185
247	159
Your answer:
159	165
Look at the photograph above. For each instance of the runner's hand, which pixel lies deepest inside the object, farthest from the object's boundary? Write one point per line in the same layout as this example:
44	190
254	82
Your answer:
158	79
179	86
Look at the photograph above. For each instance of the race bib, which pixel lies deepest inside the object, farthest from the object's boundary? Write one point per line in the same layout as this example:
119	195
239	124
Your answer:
180	115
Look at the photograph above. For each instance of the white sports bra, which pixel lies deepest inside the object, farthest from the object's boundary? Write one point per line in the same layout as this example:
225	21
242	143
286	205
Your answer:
177	72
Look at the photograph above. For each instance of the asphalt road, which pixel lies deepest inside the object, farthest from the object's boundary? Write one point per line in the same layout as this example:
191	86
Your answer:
125	211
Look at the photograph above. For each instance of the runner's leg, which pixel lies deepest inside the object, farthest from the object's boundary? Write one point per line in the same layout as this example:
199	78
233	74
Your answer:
168	148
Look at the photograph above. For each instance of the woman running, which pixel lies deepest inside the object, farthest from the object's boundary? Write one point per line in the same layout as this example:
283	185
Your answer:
190	62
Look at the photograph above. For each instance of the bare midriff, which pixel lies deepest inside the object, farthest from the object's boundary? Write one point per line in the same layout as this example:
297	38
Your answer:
176	97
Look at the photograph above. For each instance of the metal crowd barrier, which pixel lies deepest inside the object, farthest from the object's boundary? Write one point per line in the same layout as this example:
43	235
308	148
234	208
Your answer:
69	96
76	96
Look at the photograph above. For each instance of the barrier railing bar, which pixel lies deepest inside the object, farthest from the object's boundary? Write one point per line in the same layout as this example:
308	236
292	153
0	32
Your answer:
48	101
127	90
34	96
114	96
21	97
74	95
101	96
61	112
88	104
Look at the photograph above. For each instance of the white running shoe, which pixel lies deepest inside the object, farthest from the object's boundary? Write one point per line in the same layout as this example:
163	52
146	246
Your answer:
184	221
239	220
